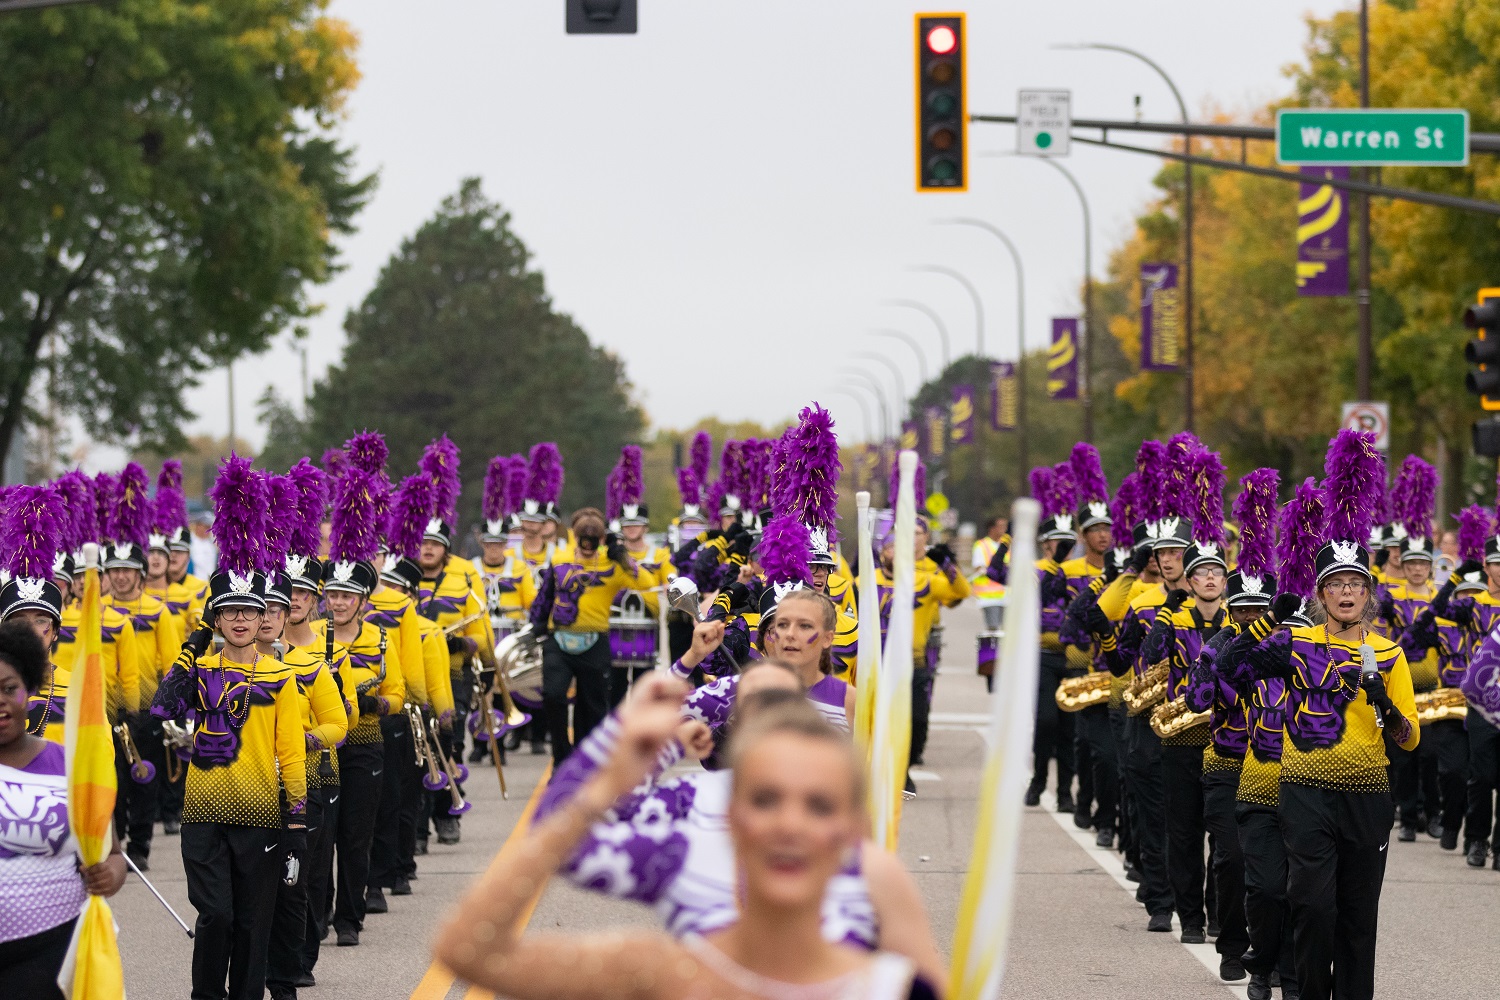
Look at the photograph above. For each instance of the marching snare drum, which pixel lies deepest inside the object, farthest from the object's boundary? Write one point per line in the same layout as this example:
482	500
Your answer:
632	634
988	644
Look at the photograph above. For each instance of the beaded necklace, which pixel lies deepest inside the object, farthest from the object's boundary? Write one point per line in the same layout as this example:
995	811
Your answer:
238	721
41	726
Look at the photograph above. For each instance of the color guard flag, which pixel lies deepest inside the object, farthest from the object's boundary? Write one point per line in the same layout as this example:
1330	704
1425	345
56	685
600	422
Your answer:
891	734
91	970
984	911
1062	359
867	657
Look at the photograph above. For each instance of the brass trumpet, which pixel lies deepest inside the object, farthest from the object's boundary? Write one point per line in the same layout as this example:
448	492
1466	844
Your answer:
459	806
1174	718
178	742
1441	704
434	780
1075	694
463	622
142	772
1147	690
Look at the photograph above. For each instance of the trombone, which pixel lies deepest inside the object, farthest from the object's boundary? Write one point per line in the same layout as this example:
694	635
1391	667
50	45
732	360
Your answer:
142	771
434	780
177	740
454	773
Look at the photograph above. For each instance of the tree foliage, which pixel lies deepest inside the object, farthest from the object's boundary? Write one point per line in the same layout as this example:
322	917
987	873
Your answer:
172	189
459	337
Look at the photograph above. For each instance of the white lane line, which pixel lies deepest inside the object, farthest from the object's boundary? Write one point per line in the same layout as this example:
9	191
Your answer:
918	774
961	718
1112	865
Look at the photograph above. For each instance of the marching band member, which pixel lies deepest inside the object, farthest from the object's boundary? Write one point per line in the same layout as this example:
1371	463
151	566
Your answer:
785	753
1345	684
691	523
544	480
184	599
30	532
236	841
629	518
1053	734
508	584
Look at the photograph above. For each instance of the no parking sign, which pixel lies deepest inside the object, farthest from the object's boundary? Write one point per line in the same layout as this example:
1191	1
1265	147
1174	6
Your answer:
1375	417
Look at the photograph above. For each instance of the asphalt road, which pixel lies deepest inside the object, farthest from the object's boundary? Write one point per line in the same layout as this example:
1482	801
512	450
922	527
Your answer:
1077	932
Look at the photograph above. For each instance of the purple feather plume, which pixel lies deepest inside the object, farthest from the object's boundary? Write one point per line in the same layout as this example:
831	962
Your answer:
612	493
1420	496
783	549
700	455
170	476
31	529
169	509
1151	466
496	482
1177	498
1255	511
1473	532
132	506
439	462
732	470
688	487
367	452
283	517
106	491
1207	488
919	484
1064	489
410	511
515	485
1088	474
1125	511
1040	479
759	461
311	483
240	500
335	463
1352	475
1301	532
809	477
354	534
76	491
544	478
632	474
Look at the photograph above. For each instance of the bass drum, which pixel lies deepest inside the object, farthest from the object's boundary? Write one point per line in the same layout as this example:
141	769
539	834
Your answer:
519	654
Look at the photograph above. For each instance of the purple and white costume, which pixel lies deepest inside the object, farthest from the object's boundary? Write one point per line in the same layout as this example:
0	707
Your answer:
40	887
667	844
713	703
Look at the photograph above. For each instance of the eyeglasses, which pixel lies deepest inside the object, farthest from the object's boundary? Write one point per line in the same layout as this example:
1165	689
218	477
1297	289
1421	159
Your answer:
1347	587
239	614
1209	573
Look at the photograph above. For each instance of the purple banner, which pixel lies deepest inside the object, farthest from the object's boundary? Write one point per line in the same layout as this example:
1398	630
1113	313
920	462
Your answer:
1323	234
937	437
1004	396
1062	359
911	436
1161	318
961	415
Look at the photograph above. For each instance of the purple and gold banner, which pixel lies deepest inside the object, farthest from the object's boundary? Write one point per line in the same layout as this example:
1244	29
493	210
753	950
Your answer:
961	415
1062	359
937	437
1004	396
1161	318
911	436
1323	234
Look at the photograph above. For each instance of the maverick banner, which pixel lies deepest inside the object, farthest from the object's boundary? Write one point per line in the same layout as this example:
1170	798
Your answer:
911	436
1004	396
937	436
1062	359
1161	318
1323	233
961	415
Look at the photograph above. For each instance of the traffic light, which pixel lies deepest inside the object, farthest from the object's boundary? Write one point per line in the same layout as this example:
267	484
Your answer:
601	17
1484	350
942	104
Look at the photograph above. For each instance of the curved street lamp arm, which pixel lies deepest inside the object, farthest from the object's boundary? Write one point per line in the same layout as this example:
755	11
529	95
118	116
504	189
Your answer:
973	294
937	320
911	342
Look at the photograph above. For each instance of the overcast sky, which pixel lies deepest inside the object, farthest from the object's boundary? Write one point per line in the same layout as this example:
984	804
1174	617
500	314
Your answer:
735	183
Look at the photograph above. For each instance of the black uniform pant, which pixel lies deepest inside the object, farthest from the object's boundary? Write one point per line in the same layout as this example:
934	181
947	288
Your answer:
1484	779
1094	735
361	771
922	679
1414	782
170	798
232	875
29	965
1151	831
1054	729
1182	794
284	957
590	671
1336	853
317	869
1219	790
136	810
1126	820
396	775
1446	745
1266	918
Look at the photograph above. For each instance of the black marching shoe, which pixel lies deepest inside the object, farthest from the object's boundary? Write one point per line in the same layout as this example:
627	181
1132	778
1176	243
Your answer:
171	825
1475	854
280	991
538	748
1213	927
1290	990
348	939
1105	838
1083	816
1435	829
1064	801
1408	833
1160	922
1194	935
1033	794
1132	873
142	858
421	845
480	754
375	901
447	829
304	979
401	886
1450	840
1231	969
1495	861
1259	988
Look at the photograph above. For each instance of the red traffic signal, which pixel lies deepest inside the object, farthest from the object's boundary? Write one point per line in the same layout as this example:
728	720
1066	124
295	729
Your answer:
942	104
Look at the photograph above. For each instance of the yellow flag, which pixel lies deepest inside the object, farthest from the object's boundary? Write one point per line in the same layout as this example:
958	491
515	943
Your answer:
91	970
891	737
867	674
984	910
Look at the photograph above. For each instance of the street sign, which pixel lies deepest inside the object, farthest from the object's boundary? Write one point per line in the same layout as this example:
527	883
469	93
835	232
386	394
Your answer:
1373	137
1369	417
1044	119
600	17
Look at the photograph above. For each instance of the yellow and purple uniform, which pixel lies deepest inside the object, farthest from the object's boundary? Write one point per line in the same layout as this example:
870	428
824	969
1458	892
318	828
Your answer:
157	639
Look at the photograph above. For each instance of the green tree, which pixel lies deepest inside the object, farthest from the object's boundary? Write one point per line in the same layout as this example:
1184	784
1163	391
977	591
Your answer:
459	337
172	189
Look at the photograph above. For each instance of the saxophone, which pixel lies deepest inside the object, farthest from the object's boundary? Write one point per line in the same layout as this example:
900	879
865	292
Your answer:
1147	690
1174	717
1441	704
1075	694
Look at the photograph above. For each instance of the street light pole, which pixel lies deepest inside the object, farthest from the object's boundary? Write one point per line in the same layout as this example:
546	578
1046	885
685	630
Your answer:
911	342
873	384
1021	444
937	320
890	365
1187	221
864	410
973	294
1362	297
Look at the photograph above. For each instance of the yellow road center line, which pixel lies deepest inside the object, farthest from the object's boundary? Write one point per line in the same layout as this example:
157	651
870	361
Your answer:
436	982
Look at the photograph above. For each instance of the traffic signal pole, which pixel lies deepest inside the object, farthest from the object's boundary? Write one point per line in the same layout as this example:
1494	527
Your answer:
1363	373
